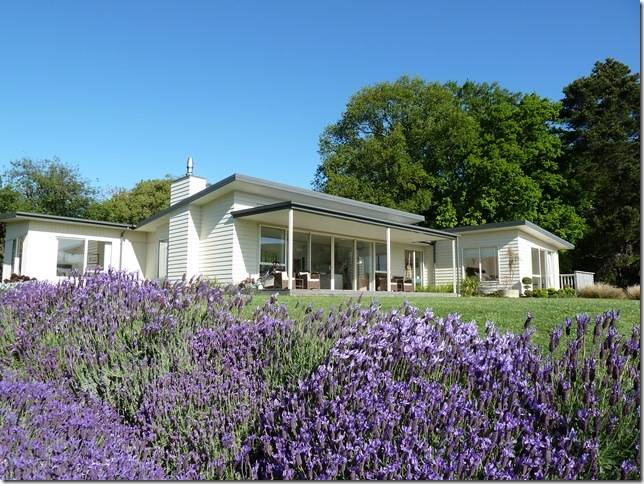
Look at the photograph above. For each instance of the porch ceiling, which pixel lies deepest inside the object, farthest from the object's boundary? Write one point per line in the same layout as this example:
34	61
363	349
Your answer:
315	219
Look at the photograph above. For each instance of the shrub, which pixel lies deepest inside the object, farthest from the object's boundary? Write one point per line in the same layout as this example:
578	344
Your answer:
633	292
551	293
415	396
52	434
602	290
470	286
527	281
441	288
149	380
528	293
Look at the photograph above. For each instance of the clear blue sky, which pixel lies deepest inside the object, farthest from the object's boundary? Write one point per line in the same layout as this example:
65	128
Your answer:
127	90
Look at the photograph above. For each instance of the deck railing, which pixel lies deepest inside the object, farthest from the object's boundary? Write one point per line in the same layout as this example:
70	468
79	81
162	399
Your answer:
577	280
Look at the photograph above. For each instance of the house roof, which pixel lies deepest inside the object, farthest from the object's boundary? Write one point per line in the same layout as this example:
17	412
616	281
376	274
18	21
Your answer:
301	207
291	192
524	225
8	216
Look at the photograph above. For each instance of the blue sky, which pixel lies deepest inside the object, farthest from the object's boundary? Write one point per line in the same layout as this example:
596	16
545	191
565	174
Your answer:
127	90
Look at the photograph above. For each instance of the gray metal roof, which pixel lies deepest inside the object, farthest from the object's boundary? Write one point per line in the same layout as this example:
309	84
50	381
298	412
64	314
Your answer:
280	186
512	224
57	218
273	207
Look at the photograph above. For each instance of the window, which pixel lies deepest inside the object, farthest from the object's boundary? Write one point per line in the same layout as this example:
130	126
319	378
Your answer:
300	252
71	256
162	263
272	249
542	268
381	258
482	263
414	267
343	270
98	254
16	256
364	262
321	259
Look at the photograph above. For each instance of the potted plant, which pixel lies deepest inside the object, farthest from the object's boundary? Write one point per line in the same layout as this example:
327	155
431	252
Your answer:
527	285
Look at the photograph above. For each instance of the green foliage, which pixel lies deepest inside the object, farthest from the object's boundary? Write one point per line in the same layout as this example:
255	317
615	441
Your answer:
601	113
441	288
551	293
131	206
470	286
459	155
527	281
48	186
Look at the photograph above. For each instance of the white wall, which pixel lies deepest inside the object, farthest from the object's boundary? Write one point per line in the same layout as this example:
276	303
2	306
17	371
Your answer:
503	240
13	231
246	237
216	239
185	187
40	249
152	251
526	243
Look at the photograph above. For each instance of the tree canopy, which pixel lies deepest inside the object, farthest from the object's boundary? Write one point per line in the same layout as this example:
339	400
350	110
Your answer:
457	154
601	115
131	206
46	186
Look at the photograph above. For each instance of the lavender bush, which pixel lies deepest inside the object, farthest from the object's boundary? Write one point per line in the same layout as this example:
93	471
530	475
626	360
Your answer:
48	433
418	397
184	380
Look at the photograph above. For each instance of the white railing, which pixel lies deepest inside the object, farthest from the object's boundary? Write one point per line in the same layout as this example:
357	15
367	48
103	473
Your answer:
566	280
577	280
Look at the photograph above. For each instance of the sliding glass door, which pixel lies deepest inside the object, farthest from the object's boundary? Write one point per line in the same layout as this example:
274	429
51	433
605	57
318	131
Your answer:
364	265
414	267
321	259
343	263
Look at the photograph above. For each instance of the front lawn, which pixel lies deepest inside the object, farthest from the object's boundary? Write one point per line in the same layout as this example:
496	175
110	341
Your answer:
508	314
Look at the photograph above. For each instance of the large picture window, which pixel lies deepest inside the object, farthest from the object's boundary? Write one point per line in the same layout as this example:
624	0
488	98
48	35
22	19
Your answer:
482	263
71	256
272	249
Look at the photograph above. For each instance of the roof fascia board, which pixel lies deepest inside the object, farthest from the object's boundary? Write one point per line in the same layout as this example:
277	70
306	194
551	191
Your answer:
524	225
6	217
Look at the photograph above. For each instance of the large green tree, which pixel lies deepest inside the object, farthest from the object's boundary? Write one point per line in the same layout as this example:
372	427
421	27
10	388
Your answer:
49	186
458	154
601	113
132	206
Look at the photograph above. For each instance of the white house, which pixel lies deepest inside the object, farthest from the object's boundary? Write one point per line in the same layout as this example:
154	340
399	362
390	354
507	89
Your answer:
243	227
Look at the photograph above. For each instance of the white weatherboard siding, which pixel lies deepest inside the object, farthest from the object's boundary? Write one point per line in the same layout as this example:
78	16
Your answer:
443	272
526	243
503	240
246	237
216	240
40	249
185	187
183	243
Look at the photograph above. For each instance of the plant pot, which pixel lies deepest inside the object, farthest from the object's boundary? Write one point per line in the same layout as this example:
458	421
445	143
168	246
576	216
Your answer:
510	293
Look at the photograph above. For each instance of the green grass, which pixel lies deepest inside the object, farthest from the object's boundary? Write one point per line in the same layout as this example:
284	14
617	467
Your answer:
508	314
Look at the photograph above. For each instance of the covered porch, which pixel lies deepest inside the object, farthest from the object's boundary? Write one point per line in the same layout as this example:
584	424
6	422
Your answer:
303	248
